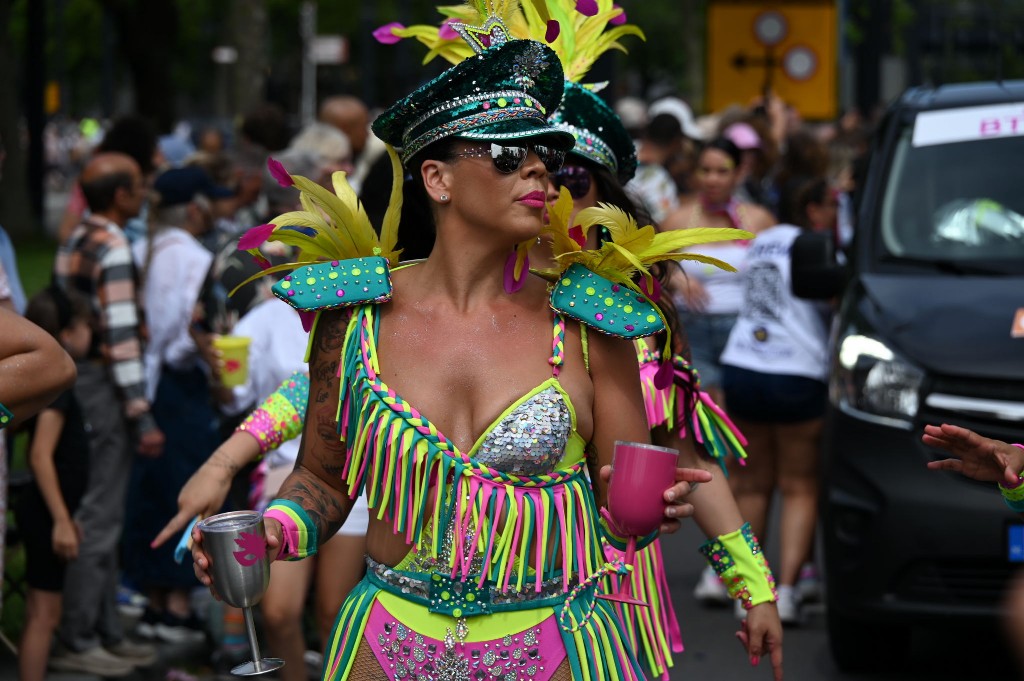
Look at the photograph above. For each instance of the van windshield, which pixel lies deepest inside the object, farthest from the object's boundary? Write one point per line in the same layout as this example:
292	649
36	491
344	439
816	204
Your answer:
956	204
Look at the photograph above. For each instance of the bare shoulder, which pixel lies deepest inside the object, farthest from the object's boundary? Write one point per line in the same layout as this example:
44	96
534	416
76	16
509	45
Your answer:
610	354
680	217
758	218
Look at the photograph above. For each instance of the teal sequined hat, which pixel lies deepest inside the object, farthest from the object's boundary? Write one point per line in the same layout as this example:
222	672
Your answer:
505	92
597	130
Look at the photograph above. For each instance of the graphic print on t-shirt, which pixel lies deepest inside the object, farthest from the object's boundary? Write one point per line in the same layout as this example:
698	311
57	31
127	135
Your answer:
763	297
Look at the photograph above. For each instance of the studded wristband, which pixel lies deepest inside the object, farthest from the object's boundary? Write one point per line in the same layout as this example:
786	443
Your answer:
738	561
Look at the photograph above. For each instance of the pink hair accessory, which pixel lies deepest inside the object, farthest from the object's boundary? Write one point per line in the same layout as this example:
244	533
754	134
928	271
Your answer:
552	31
385	34
255	237
278	172
446	32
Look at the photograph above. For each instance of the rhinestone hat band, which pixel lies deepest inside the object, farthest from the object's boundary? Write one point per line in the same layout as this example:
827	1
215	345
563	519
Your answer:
510	110
590	146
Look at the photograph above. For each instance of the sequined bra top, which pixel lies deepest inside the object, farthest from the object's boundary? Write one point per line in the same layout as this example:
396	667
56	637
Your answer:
523	482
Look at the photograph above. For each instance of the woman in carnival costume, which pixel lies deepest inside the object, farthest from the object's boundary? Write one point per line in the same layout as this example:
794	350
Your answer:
484	545
601	162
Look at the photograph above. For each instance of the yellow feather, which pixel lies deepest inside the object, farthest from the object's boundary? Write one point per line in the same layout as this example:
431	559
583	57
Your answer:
389	228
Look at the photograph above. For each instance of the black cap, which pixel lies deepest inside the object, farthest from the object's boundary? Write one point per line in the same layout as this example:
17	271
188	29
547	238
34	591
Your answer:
181	185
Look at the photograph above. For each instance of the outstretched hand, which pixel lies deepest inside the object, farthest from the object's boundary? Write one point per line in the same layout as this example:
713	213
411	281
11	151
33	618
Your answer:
977	457
675	507
761	634
203	495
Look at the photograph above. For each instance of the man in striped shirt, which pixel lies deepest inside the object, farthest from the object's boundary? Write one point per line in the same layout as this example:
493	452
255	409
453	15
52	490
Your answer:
97	262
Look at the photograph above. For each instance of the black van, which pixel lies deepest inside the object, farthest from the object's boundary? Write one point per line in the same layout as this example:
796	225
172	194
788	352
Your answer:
930	329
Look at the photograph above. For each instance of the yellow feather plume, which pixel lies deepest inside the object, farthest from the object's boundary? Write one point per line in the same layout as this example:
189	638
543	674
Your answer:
331	225
581	39
631	249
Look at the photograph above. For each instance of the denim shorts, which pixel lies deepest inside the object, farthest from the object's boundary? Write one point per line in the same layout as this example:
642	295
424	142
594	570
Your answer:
772	398
707	335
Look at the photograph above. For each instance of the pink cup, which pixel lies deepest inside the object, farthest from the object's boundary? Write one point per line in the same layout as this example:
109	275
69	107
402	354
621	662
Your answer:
641	474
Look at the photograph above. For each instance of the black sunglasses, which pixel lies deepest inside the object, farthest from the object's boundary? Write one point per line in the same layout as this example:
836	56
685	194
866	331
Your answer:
508	158
576	179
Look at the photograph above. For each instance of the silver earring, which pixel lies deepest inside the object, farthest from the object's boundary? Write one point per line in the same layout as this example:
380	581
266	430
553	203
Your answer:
444	198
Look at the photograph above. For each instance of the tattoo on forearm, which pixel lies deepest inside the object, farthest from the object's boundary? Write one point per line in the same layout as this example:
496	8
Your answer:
321	502
220	459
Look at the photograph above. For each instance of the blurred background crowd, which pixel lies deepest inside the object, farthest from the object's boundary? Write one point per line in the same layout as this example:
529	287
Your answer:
744	114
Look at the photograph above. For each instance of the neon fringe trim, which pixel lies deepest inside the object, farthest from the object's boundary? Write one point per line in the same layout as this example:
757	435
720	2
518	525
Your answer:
397	456
653	632
710	425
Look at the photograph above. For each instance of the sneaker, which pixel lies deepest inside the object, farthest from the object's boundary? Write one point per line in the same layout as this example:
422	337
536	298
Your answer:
174	629
136	654
146	626
789	606
314	663
710	590
808	584
96	661
130	602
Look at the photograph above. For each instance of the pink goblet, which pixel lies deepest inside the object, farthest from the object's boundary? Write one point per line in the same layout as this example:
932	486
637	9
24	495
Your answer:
641	473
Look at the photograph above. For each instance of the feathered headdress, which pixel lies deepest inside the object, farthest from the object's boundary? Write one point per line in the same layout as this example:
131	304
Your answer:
332	226
579	31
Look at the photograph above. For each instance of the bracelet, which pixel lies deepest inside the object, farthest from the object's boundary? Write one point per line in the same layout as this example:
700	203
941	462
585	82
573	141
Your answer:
739	562
1014	495
280	417
6	417
298	533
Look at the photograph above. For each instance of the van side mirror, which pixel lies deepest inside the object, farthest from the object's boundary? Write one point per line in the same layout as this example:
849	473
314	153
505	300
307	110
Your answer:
814	270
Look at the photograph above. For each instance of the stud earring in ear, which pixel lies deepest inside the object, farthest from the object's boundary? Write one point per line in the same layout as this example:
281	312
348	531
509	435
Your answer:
443	198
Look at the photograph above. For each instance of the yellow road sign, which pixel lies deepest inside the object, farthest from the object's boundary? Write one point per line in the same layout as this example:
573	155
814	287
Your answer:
791	47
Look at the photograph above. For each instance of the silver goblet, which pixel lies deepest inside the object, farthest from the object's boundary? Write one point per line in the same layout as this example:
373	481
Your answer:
236	544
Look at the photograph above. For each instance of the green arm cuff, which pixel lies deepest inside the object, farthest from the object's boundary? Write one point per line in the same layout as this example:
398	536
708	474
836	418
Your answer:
738	561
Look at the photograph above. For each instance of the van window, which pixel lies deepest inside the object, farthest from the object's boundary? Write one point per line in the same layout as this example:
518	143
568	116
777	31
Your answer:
955	203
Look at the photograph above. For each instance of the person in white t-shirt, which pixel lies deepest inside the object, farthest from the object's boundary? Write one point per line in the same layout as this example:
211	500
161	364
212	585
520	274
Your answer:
774	373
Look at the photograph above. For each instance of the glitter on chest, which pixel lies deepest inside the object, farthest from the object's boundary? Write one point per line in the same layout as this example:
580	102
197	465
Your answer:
531	439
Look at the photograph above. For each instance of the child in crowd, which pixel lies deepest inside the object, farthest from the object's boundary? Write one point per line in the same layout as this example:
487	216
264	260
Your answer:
58	458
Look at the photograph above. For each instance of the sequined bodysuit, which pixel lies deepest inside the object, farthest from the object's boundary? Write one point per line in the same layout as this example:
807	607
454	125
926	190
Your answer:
506	557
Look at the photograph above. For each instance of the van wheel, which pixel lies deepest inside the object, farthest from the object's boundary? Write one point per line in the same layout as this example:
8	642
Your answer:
861	646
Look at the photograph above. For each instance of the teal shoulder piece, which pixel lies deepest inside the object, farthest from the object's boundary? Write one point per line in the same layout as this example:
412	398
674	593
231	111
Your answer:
604	305
336	283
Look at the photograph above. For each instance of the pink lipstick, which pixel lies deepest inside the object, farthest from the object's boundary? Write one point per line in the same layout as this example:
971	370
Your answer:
533	199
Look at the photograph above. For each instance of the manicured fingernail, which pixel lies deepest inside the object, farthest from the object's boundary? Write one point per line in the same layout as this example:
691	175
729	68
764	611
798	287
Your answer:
670	495
754	660
671	511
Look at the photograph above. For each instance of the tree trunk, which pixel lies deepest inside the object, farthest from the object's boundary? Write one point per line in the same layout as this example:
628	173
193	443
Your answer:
147	33
694	21
15	209
249	26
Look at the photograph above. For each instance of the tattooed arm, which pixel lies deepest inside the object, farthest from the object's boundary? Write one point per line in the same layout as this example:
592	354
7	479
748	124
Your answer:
316	484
